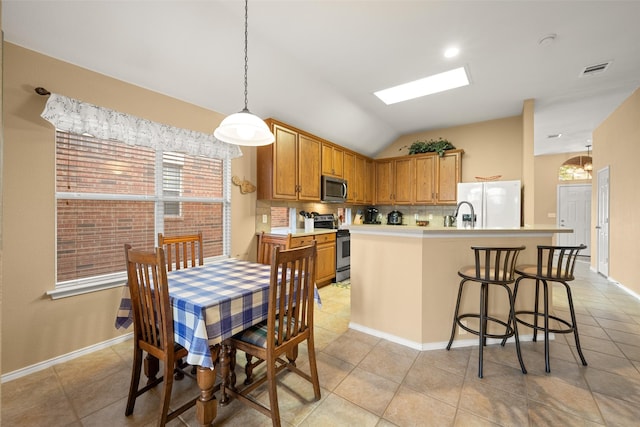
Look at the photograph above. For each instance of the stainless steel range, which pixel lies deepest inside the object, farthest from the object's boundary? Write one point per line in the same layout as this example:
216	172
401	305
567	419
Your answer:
343	246
343	255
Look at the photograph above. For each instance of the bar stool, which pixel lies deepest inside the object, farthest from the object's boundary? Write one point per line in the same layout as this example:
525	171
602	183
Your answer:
493	266
555	264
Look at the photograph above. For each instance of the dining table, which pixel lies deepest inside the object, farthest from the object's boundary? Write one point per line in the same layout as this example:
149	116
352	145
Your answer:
211	303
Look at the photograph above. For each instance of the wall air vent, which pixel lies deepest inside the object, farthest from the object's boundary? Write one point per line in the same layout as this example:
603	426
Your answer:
592	70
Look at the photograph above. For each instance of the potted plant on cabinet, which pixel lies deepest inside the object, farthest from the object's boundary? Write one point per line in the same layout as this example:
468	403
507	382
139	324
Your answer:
429	146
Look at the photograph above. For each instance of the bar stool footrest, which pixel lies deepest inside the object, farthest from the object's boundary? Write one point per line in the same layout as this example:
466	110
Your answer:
570	328
509	330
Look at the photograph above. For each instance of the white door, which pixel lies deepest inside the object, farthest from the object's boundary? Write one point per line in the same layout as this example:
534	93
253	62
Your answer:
574	211
602	227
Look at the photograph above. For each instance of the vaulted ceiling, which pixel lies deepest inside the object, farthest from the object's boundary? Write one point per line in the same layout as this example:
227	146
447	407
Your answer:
315	64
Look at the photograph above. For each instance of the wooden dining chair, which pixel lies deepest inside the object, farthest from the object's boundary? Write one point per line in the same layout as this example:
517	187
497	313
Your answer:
182	251
267	243
289	323
153	327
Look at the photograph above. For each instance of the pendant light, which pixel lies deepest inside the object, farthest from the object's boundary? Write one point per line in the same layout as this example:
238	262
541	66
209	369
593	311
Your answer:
244	128
589	165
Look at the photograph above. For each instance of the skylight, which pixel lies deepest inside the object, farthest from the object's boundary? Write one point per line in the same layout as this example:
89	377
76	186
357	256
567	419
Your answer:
426	86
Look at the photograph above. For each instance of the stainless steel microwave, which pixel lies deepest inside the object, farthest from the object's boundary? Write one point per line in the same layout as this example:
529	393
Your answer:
333	189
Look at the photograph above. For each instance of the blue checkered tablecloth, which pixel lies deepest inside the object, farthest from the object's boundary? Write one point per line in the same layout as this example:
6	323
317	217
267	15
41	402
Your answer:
211	303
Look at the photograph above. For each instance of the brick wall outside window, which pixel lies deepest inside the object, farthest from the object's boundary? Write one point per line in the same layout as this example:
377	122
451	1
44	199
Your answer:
93	225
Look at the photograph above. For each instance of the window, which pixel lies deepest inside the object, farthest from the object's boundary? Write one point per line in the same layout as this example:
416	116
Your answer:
279	217
172	182
576	168
110	193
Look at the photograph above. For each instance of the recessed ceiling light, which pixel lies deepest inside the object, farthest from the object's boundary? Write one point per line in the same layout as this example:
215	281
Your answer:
426	86
451	52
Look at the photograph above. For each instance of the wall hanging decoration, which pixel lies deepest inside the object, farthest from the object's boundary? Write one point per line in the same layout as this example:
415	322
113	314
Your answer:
245	186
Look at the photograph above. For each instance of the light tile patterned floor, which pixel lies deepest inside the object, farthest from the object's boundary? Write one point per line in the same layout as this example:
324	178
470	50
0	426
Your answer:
367	381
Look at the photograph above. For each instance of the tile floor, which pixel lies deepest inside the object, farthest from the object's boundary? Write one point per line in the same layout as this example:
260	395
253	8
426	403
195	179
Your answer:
367	381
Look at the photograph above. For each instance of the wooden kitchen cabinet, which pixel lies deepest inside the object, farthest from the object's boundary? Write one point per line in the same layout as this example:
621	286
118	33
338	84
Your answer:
360	168
384	182
356	174
403	180
449	174
332	160
437	178
419	179
325	257
350	175
289	169
369	184
394	178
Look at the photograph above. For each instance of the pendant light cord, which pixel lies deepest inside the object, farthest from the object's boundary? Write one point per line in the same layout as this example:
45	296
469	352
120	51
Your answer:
246	56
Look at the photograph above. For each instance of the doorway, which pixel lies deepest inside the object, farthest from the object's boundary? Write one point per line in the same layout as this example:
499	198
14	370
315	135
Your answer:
574	211
602	227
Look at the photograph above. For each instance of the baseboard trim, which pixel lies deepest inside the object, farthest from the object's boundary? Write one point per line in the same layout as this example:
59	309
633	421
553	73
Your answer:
63	358
435	345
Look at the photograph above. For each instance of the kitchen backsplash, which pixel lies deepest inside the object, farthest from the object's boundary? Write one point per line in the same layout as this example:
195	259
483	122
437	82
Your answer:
279	217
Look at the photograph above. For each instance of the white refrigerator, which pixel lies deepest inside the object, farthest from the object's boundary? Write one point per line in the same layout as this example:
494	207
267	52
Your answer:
496	203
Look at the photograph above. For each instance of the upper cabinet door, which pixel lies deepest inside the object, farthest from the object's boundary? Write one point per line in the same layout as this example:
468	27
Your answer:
285	181
309	152
360	179
449	175
384	182
289	169
332	160
350	175
404	180
425	190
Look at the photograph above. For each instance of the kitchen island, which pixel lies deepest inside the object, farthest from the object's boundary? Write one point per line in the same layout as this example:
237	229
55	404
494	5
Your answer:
404	279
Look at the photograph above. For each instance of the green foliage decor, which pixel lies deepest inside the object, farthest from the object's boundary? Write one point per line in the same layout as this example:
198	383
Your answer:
439	146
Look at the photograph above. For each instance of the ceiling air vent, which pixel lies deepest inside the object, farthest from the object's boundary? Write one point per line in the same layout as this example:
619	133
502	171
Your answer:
592	70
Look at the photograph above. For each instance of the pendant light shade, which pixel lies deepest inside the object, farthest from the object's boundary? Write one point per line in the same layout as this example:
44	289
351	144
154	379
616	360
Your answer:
244	128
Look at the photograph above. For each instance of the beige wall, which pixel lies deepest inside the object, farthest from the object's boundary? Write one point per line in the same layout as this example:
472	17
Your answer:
35	328
615	144
486	145
546	185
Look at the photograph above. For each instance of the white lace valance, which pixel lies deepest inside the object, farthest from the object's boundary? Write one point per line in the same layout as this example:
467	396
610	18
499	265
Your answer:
79	117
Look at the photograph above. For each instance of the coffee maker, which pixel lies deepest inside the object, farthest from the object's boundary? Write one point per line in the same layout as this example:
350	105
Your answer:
371	215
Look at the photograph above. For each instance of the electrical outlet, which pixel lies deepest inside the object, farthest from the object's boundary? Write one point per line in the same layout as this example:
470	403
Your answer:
460	330
264	218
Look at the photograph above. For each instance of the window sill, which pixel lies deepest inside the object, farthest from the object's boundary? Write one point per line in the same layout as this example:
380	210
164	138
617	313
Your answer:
79	287
84	286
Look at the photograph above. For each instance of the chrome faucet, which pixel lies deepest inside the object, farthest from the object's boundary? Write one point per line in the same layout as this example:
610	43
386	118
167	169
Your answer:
473	214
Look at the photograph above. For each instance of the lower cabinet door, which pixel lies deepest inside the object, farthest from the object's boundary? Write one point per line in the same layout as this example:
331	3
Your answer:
326	263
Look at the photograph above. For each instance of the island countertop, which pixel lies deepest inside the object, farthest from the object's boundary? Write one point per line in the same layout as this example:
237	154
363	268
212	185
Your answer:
439	231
